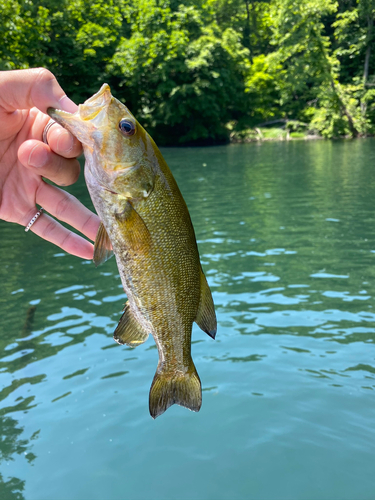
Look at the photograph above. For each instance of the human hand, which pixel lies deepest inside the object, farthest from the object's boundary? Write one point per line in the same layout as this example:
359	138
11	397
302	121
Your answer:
25	96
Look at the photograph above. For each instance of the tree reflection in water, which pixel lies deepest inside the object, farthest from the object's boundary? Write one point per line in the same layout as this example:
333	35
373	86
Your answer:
11	444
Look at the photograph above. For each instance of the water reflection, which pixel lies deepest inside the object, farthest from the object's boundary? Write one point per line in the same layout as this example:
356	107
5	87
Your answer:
13	444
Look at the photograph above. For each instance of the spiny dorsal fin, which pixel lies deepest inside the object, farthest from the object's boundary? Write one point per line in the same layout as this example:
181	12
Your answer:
206	317
102	247
175	387
129	331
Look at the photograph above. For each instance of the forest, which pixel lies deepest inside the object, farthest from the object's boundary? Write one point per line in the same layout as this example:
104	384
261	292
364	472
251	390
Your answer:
208	71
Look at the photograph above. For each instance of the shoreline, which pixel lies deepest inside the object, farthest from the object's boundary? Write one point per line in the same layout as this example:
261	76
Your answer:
279	134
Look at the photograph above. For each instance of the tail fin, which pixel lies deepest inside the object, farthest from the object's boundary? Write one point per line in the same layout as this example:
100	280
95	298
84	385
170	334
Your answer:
169	388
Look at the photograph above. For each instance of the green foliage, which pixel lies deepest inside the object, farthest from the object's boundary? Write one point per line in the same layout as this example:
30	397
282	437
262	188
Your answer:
183	78
262	89
302	60
329	119
24	29
83	38
206	71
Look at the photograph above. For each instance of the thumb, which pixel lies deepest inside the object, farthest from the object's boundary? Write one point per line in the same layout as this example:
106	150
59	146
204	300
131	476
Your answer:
28	88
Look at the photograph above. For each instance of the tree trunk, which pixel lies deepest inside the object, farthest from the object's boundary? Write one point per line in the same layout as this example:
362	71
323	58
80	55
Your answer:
246	31
352	127
370	24
367	61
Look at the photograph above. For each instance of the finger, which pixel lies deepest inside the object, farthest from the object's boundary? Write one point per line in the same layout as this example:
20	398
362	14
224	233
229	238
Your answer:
50	230
67	208
26	88
63	142
39	157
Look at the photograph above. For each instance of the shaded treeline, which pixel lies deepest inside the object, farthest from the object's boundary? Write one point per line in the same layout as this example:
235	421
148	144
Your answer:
202	71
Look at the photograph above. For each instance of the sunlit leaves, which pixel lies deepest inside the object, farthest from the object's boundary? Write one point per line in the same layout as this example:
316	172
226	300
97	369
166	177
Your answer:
199	70
24	29
183	78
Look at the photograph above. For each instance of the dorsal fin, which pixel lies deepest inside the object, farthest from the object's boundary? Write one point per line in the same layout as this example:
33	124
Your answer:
102	247
129	331
206	317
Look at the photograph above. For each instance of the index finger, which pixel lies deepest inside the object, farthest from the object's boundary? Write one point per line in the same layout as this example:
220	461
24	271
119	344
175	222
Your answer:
28	88
62	142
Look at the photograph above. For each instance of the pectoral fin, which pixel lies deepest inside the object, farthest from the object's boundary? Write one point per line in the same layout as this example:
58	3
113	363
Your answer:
129	331
135	231
103	247
206	317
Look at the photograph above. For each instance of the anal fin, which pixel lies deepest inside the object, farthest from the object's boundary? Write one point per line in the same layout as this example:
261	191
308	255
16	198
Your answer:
129	331
102	247
206	317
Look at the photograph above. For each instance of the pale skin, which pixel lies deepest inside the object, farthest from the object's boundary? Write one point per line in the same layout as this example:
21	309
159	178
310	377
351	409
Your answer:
25	96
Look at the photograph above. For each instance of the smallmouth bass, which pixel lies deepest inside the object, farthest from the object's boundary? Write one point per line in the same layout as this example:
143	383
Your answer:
145	220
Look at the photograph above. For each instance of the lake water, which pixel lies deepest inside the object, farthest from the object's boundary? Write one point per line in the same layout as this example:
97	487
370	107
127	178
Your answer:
286	233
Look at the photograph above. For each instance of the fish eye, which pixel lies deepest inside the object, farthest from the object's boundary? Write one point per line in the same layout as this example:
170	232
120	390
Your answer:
126	127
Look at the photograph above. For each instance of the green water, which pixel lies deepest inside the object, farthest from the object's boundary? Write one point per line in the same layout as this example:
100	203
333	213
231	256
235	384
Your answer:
286	233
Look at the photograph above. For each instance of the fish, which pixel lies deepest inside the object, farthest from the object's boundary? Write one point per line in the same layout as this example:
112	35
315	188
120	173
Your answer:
145	222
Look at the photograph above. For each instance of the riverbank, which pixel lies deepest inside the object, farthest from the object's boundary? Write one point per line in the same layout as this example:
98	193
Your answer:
259	134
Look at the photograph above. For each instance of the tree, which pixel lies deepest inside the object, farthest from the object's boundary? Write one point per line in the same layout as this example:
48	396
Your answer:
308	67
354	33
195	71
183	78
24	29
74	39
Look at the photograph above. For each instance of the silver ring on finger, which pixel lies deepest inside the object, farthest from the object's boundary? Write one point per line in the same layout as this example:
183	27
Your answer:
34	219
46	129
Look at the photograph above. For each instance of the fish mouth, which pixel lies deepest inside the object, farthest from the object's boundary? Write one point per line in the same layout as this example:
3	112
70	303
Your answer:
60	116
99	101
74	124
87	118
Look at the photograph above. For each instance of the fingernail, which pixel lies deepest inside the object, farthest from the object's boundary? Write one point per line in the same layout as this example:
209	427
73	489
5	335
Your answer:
38	156
65	142
67	104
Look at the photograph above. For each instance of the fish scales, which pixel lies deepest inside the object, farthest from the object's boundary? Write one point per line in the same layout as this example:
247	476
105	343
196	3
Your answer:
147	224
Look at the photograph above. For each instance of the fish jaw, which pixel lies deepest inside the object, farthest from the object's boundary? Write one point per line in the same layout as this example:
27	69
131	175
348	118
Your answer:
90	116
73	122
92	106
119	163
